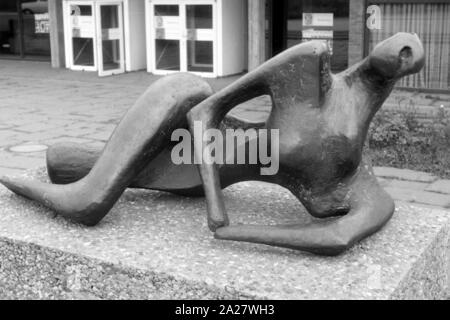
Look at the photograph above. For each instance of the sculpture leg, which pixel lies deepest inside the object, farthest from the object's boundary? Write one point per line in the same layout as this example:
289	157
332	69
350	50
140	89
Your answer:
141	135
371	208
70	162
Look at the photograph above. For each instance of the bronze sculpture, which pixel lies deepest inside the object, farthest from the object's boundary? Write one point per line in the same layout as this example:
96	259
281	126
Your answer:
323	121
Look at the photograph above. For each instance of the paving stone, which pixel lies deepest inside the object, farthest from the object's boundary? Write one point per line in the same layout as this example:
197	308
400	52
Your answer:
404	174
96	144
7	137
383	182
40	136
85	132
250	115
404	184
416	196
38	126
99	135
440	186
67	139
16	161
10	172
62	122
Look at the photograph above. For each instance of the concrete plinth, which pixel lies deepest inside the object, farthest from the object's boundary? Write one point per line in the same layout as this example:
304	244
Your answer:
154	245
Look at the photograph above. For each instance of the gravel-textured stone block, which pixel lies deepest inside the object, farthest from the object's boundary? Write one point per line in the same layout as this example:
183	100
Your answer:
154	245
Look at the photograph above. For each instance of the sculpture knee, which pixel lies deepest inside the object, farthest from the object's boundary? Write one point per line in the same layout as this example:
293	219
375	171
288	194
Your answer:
89	211
328	205
70	162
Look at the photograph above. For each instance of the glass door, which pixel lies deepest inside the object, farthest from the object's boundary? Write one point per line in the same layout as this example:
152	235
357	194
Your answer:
182	37
110	38
167	35
24	29
200	38
82	48
296	21
36	28
10	34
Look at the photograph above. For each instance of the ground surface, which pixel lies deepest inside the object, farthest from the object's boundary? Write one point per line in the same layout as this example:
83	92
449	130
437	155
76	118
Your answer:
40	105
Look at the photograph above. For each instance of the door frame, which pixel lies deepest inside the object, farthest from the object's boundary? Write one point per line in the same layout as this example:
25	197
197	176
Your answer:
68	35
99	36
150	32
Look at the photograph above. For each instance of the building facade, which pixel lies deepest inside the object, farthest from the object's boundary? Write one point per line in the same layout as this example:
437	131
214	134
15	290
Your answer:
353	27
218	37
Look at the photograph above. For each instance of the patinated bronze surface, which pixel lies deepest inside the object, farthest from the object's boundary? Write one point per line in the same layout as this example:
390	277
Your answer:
323	121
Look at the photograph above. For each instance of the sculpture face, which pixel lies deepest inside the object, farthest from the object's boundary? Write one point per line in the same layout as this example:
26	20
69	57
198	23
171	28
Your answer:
397	57
322	120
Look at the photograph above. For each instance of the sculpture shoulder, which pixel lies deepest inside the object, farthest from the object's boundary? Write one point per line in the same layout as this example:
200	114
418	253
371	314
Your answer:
300	56
310	49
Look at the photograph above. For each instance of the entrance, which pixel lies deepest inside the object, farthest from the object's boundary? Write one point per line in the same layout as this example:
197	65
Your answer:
95	36
24	29
295	21
182	37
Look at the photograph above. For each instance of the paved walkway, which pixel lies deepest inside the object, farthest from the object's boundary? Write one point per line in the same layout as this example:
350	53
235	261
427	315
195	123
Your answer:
40	105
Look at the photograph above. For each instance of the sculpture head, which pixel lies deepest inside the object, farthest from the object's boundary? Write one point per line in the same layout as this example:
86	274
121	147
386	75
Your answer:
398	56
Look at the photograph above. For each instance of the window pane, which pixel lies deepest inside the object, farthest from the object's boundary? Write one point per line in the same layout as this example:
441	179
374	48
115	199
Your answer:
36	28
167	54
83	51
321	20
110	16
199	17
82	23
9	28
111	54
167	10
111	35
200	56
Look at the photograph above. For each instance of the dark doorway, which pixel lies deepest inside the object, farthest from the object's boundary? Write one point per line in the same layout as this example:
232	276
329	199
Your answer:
24	29
296	21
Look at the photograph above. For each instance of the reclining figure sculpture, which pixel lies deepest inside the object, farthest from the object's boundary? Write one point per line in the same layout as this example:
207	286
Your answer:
322	119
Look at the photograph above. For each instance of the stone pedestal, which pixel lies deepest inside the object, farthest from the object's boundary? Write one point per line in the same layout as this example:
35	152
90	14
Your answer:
154	245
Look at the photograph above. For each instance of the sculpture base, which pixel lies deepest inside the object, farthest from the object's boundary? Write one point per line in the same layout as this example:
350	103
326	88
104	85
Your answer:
155	245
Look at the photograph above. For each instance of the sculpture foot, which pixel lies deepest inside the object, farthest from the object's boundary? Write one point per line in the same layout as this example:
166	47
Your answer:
15	185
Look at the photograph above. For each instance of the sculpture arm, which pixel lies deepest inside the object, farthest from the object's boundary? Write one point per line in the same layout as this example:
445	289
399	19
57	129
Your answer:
371	208
209	114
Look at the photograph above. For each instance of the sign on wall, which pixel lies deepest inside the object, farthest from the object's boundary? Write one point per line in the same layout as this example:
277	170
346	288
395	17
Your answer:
167	27
167	22
42	23
324	32
318	19
83	27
